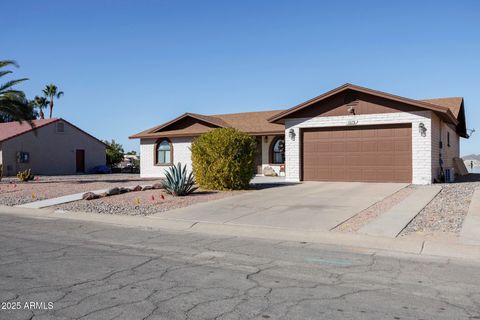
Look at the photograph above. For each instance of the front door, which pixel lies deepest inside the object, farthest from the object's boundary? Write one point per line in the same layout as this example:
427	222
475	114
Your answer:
80	156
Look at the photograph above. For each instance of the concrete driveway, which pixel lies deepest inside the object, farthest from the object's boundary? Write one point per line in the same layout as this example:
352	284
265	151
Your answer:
308	206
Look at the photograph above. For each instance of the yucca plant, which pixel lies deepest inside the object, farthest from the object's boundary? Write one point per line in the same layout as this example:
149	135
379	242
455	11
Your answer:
177	182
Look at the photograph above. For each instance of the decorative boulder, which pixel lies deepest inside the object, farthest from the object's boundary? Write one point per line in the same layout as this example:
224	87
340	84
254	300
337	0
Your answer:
90	196
145	188
123	190
136	188
157	186
268	171
113	191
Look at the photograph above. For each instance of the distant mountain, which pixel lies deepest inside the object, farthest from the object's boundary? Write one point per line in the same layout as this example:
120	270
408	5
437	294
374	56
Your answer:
472	157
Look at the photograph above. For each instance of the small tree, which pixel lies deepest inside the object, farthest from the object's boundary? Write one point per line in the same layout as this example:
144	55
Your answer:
223	159
114	152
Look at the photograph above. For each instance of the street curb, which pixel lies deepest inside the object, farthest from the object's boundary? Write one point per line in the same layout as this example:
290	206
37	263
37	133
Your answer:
366	243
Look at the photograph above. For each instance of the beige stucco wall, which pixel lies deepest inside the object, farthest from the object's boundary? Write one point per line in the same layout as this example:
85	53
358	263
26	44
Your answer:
52	152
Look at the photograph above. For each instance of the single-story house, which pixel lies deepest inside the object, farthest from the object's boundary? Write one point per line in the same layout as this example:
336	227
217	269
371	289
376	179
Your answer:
55	147
350	133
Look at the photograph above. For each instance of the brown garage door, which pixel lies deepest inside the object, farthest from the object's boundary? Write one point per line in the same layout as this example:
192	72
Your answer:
359	153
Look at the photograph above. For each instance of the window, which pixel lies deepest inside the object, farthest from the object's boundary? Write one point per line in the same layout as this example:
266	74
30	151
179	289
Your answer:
23	157
448	138
163	153
60	127
278	151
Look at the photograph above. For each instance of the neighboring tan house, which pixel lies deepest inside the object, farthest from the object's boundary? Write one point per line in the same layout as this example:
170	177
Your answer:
350	133
55	147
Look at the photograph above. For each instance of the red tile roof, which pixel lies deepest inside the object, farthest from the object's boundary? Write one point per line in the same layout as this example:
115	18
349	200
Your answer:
9	130
12	129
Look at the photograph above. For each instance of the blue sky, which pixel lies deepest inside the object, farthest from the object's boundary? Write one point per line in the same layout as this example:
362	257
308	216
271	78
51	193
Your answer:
126	66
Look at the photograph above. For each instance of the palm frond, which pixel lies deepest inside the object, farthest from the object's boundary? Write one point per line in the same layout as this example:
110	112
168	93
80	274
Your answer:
3	73
10	84
4	63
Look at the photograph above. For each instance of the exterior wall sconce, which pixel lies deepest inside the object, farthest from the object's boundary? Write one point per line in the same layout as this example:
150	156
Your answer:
291	134
422	129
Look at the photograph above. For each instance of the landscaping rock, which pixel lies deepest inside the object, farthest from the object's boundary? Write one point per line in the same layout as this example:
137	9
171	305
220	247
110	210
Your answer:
113	191
157	186
136	188
447	211
145	188
268	171
123	190
90	196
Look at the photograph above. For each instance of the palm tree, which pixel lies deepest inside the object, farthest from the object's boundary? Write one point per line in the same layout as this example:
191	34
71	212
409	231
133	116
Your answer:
41	103
51	91
13	104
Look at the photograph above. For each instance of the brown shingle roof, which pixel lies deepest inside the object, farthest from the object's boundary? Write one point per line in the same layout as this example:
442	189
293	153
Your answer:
249	122
252	122
453	103
267	122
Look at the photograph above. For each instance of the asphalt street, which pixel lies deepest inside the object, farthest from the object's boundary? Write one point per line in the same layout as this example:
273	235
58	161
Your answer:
65	269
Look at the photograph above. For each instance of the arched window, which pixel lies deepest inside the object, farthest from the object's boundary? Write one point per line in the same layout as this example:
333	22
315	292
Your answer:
278	150
163	152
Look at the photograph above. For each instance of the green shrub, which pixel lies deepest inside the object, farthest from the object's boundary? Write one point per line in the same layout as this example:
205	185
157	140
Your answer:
25	176
223	159
177	182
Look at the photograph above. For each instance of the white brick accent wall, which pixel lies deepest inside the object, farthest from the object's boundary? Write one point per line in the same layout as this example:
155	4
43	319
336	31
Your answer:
421	146
181	153
436	124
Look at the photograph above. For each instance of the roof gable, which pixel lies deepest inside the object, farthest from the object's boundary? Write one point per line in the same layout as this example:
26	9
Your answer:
249	122
9	130
12	129
447	114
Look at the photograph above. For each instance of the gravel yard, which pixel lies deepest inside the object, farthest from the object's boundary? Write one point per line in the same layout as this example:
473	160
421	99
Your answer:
13	192
441	219
362	218
447	211
144	202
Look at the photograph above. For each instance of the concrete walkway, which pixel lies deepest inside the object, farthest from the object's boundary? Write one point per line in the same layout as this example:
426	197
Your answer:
56	201
392	222
306	206
470	233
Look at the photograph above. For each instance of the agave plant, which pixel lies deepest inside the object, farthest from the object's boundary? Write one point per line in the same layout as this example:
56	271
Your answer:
177	182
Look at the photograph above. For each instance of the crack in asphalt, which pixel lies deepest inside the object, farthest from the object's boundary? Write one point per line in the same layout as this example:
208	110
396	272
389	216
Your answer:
191	276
